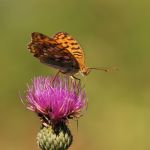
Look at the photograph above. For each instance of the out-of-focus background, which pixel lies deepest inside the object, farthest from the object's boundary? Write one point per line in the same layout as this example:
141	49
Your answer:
111	33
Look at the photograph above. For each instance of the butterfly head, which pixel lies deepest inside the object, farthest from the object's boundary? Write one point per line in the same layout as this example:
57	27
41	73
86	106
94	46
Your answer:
85	71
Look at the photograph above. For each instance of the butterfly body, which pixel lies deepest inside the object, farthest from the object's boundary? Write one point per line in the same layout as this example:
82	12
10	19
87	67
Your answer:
61	51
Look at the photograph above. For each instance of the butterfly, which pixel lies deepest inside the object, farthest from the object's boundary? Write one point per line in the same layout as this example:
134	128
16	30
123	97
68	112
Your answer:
61	51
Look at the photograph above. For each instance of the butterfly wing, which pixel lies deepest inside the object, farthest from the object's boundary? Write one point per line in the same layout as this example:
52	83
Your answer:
71	45
48	51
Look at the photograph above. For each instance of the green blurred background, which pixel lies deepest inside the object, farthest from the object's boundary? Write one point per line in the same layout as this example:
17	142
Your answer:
111	33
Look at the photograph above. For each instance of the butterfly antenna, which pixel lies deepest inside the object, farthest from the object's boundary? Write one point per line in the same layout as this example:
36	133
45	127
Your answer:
108	69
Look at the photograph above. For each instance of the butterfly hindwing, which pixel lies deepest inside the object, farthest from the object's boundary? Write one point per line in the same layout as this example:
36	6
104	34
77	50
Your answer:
52	53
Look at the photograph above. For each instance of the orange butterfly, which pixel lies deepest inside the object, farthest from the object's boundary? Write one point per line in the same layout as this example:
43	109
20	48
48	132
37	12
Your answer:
61	51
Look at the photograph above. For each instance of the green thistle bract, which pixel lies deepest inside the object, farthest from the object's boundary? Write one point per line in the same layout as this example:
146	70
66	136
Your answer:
56	137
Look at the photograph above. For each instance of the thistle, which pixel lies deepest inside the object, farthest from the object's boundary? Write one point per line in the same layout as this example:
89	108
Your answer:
55	102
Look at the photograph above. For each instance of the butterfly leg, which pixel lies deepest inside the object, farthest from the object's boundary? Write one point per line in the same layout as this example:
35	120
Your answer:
76	78
54	78
79	80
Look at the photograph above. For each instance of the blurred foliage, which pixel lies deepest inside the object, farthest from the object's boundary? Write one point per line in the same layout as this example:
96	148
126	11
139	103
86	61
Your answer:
111	33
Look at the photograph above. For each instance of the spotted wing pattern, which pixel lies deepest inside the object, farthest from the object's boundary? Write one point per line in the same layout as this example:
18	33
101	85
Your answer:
51	52
70	44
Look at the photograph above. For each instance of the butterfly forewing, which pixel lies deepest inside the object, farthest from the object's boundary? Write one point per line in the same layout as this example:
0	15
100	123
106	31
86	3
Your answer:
71	45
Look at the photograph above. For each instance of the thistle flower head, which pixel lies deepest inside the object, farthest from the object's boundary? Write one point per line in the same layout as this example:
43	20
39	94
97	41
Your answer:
56	100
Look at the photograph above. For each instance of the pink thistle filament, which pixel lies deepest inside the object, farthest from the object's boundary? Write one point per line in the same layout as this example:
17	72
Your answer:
58	100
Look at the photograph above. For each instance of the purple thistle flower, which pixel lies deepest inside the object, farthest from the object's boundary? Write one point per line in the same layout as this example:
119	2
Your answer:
56	100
